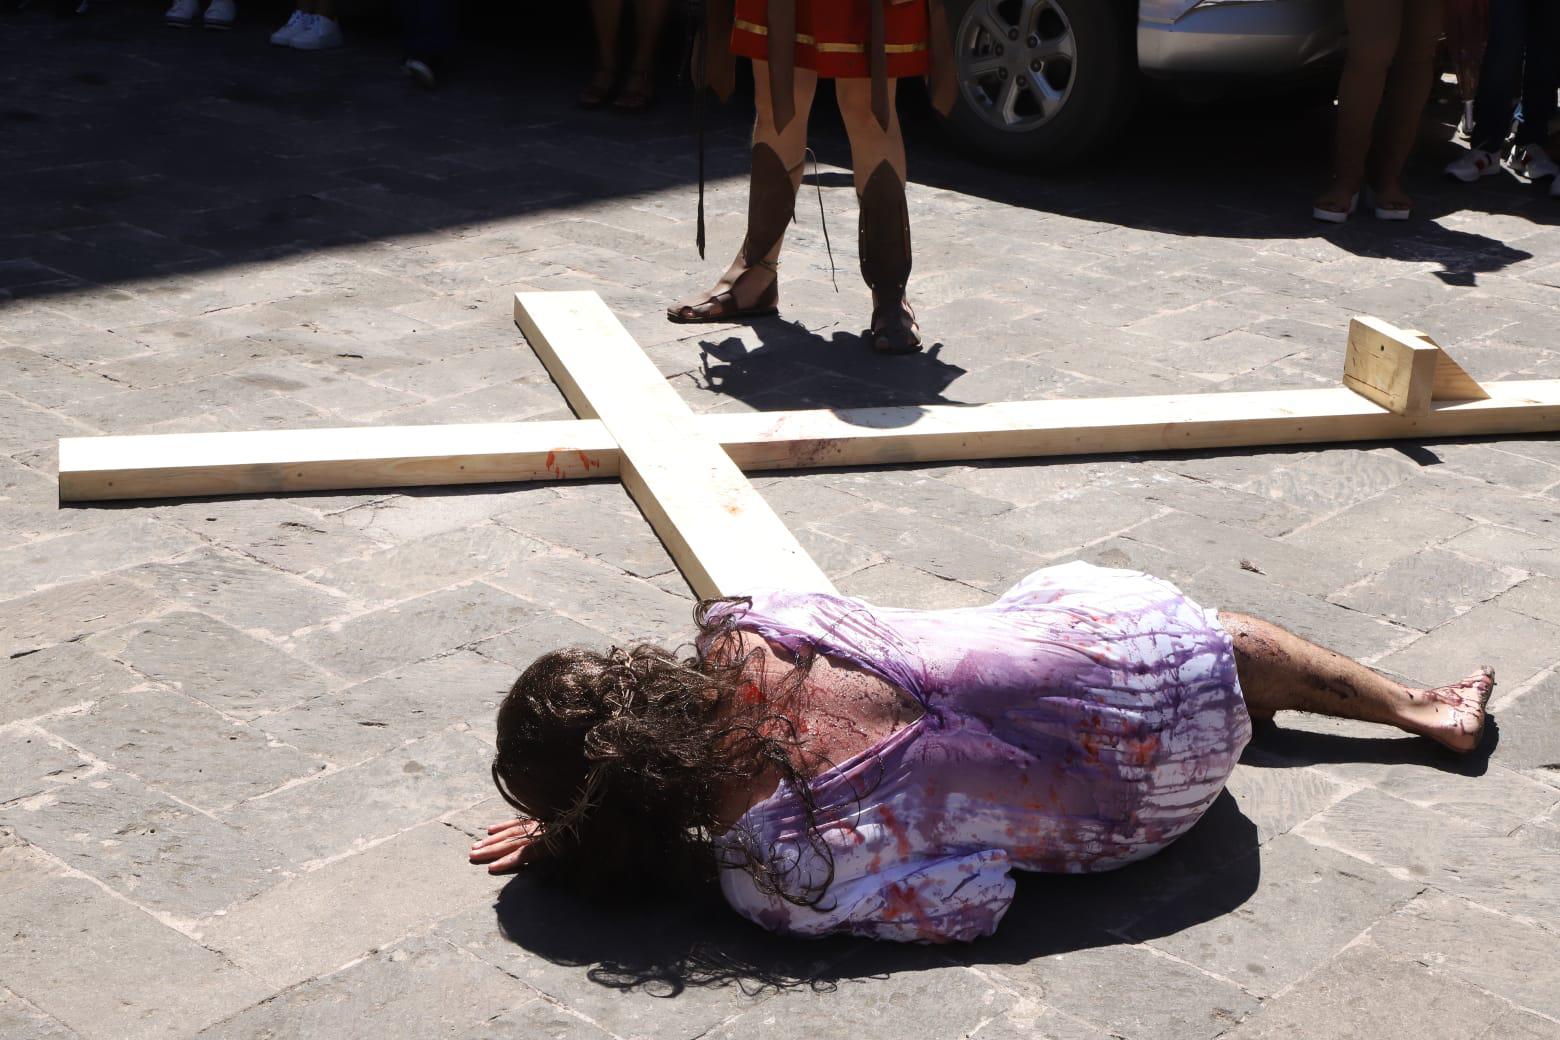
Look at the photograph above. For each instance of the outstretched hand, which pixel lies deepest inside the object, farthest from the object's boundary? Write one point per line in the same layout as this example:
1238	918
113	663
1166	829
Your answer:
508	846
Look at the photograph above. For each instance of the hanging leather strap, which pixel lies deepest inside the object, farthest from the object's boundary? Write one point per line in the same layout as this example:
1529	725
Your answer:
720	68
941	79
877	62
699	229
782	61
713	68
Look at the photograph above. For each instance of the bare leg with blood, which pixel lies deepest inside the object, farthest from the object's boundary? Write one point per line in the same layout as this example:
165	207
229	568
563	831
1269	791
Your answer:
1279	671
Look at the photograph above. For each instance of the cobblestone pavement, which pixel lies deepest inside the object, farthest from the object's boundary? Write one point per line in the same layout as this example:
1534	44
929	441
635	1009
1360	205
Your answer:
244	743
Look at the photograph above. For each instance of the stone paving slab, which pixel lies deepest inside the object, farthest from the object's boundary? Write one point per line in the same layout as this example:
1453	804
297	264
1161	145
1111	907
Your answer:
237	674
126	975
318	922
18	1018
244	742
423	986
953	1003
1368	992
1309	904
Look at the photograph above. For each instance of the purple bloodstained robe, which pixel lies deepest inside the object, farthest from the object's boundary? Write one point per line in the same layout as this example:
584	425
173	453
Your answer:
1083	721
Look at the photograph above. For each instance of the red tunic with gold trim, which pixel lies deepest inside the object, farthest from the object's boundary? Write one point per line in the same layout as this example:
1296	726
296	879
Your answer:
832	35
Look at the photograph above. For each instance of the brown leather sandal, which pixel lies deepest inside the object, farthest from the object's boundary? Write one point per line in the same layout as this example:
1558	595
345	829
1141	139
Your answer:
771	207
724	304
894	329
884	241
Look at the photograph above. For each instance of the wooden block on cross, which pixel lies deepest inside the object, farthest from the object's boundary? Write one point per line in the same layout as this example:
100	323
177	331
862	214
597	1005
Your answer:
1403	371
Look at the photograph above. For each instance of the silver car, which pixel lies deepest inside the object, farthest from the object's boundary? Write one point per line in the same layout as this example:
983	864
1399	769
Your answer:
1045	81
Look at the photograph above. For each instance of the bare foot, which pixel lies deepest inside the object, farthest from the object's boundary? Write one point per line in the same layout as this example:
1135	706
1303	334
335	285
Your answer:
1453	715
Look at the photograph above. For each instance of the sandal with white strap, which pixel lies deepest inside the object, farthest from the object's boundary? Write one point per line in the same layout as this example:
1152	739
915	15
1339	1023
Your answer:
1335	216
724	302
1391	205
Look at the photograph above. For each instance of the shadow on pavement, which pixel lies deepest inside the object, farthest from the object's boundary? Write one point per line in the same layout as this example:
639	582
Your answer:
793	367
134	152
670	946
1276	747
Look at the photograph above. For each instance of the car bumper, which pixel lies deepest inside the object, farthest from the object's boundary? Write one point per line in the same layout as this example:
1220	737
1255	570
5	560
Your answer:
1243	37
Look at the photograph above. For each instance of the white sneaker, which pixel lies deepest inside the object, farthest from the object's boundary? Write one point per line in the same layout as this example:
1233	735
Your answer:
283	36
182	14
1532	162
318	34
221	14
1473	164
421	71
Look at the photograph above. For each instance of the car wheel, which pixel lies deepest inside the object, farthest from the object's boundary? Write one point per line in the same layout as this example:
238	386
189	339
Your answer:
1041	82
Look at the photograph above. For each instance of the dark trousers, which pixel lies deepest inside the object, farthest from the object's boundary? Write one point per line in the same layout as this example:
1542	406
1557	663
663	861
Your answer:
428	29
1524	42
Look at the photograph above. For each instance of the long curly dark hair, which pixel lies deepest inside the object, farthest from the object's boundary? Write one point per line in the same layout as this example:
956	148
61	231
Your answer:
624	757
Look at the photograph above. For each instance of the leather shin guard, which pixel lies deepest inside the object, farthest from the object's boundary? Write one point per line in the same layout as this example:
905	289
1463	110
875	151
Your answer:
884	240
771	205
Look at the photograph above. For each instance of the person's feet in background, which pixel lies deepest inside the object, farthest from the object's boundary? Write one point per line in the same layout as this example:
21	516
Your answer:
294	22
1521	56
1381	97
599	89
312	27
1337	204
420	72
638	92
183	14
638	88
221	14
320	30
428	33
1531	163
1390	200
1473	164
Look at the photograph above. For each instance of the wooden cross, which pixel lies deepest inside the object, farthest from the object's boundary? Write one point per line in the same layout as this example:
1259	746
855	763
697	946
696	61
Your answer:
685	471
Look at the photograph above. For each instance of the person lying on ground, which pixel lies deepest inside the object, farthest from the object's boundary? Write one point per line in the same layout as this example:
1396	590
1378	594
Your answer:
845	768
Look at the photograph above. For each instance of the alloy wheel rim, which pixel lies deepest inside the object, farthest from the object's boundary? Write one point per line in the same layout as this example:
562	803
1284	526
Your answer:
1016	62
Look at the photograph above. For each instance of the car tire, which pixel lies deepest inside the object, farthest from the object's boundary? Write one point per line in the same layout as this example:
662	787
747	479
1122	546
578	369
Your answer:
1100	77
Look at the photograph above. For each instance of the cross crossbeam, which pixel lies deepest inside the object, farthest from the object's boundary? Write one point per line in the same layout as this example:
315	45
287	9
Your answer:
685	470
717	527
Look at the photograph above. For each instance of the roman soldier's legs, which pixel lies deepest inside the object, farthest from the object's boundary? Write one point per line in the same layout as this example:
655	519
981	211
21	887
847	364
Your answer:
750	285
870	144
766	228
878	159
